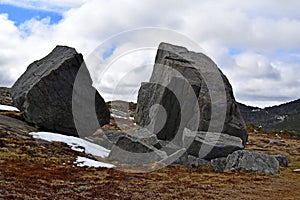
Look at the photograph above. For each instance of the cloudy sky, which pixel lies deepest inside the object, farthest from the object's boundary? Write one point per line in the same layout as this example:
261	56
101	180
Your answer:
255	43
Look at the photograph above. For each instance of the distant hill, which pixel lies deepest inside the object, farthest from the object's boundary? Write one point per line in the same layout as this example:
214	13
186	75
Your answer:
282	117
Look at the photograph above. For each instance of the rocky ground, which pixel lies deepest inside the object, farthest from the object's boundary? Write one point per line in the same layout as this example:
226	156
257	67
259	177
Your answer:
35	169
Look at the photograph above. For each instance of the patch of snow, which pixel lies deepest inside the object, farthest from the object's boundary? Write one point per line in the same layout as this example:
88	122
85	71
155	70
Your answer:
282	118
118	116
76	144
255	110
86	162
296	170
8	108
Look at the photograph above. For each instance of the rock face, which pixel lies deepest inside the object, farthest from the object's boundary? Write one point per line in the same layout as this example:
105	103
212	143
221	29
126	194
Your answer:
188	92
44	92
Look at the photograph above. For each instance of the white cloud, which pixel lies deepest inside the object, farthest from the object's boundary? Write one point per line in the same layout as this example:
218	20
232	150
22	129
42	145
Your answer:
257	30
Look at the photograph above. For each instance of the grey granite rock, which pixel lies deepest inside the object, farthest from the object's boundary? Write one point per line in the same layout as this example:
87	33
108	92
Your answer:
108	138
134	152
249	160
207	145
181	82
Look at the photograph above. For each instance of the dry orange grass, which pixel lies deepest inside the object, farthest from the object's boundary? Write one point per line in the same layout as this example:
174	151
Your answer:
33	169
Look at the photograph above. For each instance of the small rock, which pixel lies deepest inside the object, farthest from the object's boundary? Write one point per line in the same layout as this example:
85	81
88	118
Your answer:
280	143
218	164
203	162
192	161
197	162
283	160
248	160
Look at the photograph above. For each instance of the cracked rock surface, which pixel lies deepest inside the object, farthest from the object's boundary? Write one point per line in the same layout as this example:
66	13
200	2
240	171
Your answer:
182	81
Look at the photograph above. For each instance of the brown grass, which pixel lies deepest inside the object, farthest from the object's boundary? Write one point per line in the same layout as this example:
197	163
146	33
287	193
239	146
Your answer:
33	169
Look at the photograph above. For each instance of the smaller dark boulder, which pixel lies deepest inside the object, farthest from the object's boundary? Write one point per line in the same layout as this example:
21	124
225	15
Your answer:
44	93
249	160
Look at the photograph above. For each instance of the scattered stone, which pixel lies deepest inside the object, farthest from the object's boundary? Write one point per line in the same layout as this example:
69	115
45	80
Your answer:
218	164
296	170
280	143
193	161
197	162
283	160
248	160
44	94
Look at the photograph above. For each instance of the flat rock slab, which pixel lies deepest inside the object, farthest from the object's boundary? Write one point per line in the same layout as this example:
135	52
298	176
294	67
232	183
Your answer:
134	152
208	145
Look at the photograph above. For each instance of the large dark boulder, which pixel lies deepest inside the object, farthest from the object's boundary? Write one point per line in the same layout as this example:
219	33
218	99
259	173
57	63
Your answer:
44	93
166	105
189	102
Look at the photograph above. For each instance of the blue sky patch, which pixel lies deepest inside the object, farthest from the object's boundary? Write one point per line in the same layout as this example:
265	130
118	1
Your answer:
234	51
20	15
291	55
108	52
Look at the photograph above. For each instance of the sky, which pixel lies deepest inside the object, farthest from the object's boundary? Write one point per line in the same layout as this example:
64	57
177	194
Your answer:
255	43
